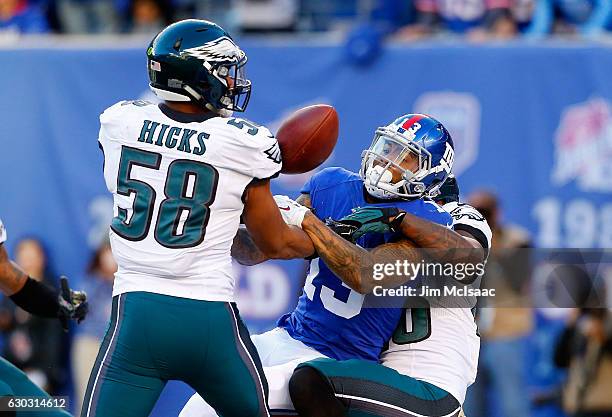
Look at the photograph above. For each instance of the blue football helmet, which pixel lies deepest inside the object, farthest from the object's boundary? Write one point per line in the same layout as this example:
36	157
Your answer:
409	158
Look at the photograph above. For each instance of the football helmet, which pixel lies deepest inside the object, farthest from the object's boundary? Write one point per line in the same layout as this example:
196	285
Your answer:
409	158
198	60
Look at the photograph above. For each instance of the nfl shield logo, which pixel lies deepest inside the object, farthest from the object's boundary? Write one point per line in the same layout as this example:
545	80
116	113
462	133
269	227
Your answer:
583	146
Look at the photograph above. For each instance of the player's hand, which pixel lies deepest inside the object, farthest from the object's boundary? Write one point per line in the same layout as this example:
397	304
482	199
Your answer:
370	220
345	230
293	212
73	304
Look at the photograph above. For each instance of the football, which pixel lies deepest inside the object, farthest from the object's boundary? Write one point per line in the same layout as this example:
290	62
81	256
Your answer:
307	138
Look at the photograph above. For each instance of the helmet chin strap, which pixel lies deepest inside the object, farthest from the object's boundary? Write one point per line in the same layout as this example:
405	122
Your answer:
197	96
220	112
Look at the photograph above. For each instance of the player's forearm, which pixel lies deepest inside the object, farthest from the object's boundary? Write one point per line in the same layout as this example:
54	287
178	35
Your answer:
442	244
12	279
291	244
426	241
295	244
355	265
32	296
351	263
245	251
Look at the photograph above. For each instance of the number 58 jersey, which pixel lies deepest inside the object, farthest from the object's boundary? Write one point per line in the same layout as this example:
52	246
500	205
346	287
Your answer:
178	183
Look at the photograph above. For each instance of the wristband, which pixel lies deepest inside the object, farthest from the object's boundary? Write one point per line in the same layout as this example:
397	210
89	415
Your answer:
37	298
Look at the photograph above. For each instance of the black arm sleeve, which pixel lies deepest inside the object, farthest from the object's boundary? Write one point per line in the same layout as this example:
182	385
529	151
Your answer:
38	299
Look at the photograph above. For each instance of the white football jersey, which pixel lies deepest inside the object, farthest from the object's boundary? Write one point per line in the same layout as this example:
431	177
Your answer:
440	344
2	232
178	183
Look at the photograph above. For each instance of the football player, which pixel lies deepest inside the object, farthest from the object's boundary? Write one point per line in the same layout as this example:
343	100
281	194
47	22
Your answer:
432	357
408	159
38	299
182	174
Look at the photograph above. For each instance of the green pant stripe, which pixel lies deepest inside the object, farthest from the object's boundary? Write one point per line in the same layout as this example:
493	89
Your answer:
106	351
250	359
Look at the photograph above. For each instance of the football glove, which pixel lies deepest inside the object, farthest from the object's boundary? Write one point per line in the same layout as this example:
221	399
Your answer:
293	212
345	230
73	304
371	220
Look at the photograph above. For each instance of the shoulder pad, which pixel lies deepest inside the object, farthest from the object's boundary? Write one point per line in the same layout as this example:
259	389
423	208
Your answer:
466	217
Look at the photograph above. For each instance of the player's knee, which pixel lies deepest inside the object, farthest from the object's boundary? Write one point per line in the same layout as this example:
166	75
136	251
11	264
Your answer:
245	407
308	387
255	409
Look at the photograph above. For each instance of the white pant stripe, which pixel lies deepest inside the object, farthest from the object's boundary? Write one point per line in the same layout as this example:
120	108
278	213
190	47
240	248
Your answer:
108	348
394	407
251	359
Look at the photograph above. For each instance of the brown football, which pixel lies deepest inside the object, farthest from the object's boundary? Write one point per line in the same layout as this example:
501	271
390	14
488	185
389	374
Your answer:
307	138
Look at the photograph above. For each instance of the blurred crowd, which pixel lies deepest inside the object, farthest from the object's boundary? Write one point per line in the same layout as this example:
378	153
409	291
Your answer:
53	359
403	19
510	325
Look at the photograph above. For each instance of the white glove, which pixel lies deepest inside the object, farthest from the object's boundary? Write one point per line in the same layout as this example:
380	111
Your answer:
293	212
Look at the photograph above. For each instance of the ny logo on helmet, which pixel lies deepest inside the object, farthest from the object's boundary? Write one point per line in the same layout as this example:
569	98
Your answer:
446	163
411	131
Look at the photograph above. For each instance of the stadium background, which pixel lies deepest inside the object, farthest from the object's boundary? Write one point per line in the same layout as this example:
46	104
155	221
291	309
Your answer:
531	120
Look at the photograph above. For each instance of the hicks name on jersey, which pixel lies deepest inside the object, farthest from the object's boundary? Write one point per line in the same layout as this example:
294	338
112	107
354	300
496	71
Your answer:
172	137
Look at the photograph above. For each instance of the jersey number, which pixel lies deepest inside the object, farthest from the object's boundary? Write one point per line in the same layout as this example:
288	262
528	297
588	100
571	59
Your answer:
347	309
414	326
241	124
182	217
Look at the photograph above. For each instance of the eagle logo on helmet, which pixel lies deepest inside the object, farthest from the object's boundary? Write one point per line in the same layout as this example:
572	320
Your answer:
219	50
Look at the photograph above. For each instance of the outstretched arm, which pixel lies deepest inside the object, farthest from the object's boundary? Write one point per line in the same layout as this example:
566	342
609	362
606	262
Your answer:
450	246
12	279
268	231
244	249
39	299
353	264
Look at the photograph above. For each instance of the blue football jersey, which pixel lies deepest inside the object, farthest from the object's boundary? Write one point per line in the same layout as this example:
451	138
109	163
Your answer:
329	316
